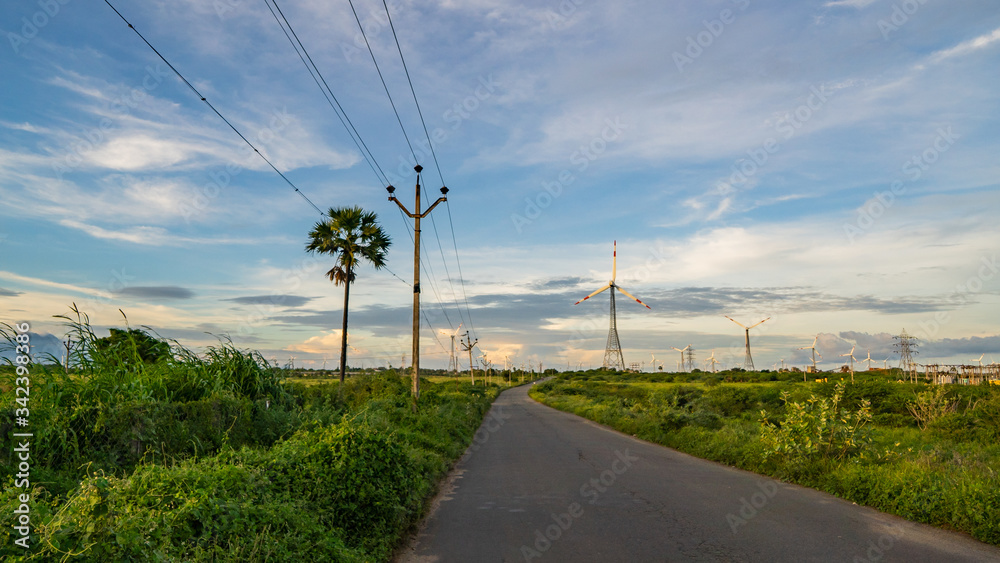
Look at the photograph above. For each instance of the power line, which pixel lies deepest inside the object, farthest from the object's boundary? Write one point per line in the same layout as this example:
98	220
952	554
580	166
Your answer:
334	103
461	277
430	145
393	104
414	92
209	104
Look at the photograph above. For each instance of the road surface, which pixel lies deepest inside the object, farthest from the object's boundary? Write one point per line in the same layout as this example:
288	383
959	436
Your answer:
542	485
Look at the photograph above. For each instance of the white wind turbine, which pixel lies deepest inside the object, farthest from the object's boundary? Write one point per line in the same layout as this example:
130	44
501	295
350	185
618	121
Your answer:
869	360
980	360
453	360
850	355
613	351
682	350
654	363
814	352
711	359
748	360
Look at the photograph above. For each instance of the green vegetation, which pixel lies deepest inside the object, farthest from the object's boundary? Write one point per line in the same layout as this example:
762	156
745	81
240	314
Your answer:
928	454
146	451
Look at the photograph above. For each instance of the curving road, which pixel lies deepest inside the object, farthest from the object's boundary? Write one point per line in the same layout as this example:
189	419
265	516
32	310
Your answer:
542	485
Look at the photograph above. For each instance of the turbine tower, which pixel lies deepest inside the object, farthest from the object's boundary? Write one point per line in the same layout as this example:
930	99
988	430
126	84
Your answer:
850	355
653	364
682	363
712	360
869	360
452	360
814	352
613	351
748	360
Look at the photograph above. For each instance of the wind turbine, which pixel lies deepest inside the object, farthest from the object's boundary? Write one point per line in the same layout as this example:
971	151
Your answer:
653	363
850	355
885	363
452	361
748	360
980	360
869	360
613	351
712	360
814	352
682	350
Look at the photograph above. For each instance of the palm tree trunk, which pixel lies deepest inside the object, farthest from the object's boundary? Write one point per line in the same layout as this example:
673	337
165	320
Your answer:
343	336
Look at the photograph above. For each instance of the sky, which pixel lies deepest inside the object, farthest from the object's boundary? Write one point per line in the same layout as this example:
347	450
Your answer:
831	165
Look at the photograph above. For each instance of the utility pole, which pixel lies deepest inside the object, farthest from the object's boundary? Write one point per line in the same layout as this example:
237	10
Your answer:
416	216
467	346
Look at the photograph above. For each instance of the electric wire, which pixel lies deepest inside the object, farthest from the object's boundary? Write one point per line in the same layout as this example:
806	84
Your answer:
461	277
414	92
209	104
393	104
314	72
430	144
427	274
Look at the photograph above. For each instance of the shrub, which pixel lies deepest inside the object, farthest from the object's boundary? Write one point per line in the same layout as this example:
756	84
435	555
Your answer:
815	428
932	405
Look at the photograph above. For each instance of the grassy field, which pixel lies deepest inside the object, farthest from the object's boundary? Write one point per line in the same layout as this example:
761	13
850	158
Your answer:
147	451
928	454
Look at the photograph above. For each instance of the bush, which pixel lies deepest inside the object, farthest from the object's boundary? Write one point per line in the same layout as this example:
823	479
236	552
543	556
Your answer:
816	428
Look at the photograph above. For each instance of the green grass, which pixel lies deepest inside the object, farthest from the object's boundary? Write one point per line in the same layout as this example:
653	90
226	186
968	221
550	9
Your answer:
945	475
147	451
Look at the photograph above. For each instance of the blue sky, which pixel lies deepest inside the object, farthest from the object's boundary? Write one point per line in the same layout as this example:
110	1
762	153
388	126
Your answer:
831	165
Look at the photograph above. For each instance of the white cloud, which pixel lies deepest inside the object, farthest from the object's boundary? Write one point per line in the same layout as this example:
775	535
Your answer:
967	47
851	3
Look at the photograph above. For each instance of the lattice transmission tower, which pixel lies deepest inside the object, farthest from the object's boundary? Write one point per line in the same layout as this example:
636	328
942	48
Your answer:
906	347
613	351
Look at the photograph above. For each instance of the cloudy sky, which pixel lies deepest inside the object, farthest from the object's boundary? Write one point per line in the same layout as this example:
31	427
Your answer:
829	164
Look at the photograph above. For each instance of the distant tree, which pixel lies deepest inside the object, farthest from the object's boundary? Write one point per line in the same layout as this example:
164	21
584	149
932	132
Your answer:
351	235
128	346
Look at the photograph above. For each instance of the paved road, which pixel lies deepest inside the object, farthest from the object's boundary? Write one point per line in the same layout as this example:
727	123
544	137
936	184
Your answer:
542	485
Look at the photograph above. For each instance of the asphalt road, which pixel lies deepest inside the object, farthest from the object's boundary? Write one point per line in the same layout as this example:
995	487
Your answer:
542	485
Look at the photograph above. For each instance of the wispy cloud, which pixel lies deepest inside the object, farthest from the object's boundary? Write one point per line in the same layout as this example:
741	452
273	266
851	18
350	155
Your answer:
966	47
850	3
170	292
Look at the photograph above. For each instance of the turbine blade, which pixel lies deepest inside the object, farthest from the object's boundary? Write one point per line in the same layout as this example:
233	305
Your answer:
735	321
593	294
761	322
614	263
634	298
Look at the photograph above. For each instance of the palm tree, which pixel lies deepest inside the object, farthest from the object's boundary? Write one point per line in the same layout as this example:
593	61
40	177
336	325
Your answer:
352	235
